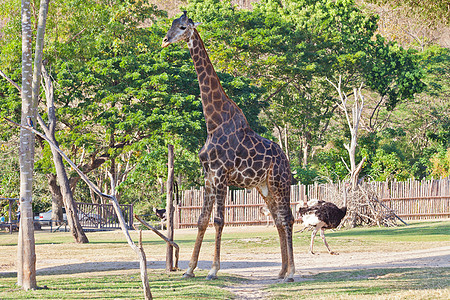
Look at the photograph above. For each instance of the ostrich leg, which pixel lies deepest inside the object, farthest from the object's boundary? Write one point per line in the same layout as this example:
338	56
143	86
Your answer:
322	234
313	235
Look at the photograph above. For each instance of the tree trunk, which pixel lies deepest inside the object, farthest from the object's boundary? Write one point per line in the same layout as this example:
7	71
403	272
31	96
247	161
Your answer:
170	210
61	175
353	125
305	148
286	141
69	203
26	255
57	202
280	137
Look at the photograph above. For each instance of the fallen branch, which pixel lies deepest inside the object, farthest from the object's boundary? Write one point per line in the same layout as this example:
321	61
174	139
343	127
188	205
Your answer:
177	249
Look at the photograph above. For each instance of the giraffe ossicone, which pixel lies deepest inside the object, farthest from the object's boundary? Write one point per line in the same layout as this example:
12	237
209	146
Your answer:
234	155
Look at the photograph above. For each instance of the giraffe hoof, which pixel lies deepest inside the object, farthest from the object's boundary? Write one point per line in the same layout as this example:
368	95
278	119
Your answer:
211	277
186	275
288	279
334	253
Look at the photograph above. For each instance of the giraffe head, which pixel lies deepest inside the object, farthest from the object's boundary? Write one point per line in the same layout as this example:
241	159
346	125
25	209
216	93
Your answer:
181	29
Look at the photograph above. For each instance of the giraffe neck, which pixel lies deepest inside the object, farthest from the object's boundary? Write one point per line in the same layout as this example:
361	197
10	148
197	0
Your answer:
218	109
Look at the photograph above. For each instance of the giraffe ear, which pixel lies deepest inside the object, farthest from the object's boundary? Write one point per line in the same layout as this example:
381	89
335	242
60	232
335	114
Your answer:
196	24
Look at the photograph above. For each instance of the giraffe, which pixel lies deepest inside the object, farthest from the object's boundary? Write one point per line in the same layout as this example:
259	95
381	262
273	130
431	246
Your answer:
234	155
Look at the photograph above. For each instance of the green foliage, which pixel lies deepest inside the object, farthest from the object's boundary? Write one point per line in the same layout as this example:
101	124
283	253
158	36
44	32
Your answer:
290	47
331	162
388	165
441	164
306	175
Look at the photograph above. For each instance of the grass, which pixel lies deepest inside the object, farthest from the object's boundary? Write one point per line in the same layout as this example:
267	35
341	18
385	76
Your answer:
423	283
420	283
162	285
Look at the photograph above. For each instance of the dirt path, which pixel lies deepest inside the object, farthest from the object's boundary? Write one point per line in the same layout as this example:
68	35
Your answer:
261	270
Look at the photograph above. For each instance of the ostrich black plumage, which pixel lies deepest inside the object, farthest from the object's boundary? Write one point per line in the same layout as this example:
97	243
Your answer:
161	214
321	215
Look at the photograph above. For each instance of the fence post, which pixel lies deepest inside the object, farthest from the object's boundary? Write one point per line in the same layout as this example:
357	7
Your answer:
169	209
130	216
100	217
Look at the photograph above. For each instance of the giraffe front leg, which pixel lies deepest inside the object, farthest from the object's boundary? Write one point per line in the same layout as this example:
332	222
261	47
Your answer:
219	222
290	252
203	221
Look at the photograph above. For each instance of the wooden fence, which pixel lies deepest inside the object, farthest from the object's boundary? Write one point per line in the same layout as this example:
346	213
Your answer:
426	199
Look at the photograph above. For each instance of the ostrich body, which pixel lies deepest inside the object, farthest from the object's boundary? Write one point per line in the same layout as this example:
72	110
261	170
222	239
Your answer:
161	214
321	215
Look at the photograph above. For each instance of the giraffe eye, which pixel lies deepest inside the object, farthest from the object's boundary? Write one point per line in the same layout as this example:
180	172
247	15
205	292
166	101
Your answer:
182	28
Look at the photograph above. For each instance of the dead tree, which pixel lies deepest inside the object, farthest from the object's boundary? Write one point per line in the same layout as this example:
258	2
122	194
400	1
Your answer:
353	125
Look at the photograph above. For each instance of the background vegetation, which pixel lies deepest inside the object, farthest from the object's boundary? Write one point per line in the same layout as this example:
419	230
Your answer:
121	98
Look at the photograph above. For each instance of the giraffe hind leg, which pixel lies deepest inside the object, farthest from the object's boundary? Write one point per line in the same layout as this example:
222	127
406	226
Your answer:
284	254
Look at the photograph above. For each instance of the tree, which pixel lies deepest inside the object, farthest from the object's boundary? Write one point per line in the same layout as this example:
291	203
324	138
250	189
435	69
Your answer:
290	47
63	191
353	125
26	266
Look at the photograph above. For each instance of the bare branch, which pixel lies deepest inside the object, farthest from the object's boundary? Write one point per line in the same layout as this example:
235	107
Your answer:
375	110
11	81
172	243
75	36
348	169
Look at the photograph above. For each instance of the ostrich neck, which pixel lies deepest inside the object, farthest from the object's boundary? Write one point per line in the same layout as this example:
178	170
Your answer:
218	109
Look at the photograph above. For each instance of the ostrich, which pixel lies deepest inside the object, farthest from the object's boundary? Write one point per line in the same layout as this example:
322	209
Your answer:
321	215
161	214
